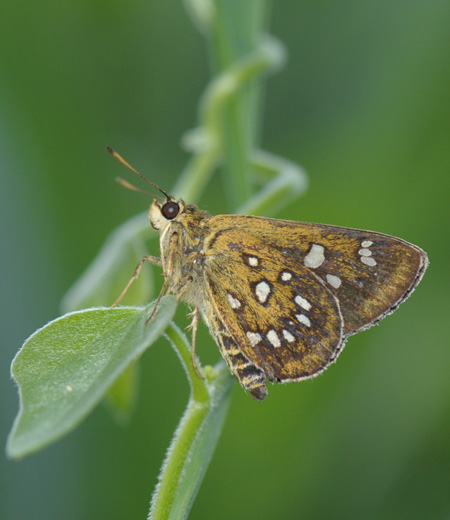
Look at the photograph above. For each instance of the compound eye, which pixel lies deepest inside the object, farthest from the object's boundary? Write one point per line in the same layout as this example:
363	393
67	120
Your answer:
170	210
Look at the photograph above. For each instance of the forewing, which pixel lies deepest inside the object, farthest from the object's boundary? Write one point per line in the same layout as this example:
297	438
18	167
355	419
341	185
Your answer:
369	273
281	315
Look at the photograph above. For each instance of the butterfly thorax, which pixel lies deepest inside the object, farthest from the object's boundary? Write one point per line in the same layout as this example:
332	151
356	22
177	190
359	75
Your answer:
182	247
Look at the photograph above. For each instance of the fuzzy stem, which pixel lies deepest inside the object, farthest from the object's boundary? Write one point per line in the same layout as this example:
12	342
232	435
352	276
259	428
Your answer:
195	438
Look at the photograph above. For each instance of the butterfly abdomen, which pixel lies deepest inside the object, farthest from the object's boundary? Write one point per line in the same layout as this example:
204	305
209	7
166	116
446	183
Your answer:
250	377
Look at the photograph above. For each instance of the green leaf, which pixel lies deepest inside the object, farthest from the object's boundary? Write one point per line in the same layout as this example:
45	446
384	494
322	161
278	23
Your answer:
64	369
102	283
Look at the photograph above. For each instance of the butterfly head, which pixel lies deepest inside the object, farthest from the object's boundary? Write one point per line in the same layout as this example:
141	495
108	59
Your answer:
161	214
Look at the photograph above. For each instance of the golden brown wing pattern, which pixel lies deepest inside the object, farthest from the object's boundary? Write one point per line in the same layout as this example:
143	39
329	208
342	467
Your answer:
281	315
370	273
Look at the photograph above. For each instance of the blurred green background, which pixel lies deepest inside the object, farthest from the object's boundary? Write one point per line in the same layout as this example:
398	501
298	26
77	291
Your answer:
364	106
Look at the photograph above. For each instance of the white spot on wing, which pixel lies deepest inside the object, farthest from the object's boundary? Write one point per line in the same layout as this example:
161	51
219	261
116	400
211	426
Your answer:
365	252
315	257
303	319
368	261
254	338
366	243
286	276
262	291
272	336
252	261
234	302
334	281
288	336
304	304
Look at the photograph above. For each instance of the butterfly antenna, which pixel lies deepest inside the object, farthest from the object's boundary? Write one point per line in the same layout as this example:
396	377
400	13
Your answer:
131	187
128	185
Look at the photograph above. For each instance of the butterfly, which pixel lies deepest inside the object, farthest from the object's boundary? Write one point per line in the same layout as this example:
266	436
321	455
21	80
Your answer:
280	298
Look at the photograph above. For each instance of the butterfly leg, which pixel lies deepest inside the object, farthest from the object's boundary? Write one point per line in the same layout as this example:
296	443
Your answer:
161	294
193	326
152	259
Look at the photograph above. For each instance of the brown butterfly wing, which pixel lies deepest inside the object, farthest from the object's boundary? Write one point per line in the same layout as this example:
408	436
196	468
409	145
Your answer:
280	314
369	273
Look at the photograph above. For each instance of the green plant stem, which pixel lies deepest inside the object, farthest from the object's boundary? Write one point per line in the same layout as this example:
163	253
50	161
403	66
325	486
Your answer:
237	32
183	348
193	442
282	180
207	141
185	434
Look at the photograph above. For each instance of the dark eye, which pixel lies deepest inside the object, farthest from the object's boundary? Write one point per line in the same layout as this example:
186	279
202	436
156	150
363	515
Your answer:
170	210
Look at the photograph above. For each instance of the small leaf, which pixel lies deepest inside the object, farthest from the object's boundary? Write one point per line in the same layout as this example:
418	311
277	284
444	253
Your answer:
64	369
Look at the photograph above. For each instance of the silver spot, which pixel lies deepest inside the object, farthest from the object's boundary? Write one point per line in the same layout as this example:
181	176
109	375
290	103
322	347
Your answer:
234	302
253	261
286	276
366	243
365	252
262	291
254	338
315	257
303	319
273	338
368	261
304	304
334	281
288	336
